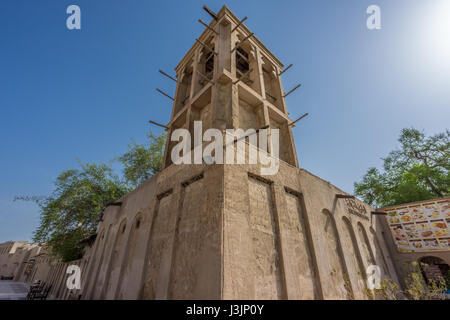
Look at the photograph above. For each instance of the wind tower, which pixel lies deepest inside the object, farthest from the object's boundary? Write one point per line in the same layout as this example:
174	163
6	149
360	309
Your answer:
228	221
228	80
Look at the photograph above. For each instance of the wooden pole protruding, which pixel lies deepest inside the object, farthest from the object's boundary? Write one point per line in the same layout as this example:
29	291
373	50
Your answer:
294	122
248	135
162	92
165	74
208	27
211	13
345	196
240	42
296	87
378	213
286	69
207	47
243	76
158	124
205	77
237	26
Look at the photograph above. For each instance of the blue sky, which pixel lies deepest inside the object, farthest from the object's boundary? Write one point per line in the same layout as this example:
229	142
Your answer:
68	95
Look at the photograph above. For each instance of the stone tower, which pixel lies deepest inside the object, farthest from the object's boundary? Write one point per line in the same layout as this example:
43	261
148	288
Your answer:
224	231
230	80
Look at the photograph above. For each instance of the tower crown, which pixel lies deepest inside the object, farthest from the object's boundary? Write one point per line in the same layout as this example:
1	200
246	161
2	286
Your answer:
229	80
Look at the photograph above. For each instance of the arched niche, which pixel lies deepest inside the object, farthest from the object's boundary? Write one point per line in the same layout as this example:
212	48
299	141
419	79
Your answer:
335	280
113	270
97	262
133	262
380	253
368	257
356	270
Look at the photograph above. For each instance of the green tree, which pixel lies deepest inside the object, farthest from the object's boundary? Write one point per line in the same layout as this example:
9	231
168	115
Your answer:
142	161
418	170
71	212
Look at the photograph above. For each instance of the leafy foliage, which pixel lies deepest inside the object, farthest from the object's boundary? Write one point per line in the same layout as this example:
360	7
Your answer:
419	170
141	161
70	213
416	287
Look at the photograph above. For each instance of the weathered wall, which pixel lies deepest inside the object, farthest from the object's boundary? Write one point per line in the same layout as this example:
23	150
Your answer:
6	267
13	257
163	242
225	232
28	263
287	237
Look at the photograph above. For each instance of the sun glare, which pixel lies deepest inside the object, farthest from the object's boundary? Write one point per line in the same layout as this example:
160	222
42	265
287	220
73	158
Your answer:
436	33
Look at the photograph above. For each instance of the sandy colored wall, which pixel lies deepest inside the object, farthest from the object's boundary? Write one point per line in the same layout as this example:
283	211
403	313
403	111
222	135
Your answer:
13	257
5	265
174	253
226	232
45	268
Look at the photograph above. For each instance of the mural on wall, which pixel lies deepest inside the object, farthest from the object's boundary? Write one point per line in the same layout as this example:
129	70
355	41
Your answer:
421	227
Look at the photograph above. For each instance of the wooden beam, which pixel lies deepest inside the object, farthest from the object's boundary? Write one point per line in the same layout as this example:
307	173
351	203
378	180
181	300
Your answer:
211	13
205	77
287	68
344	196
296	87
158	124
163	73
378	213
209	56
240	42
242	56
208	27
240	22
243	76
204	45
162	92
293	122
271	96
248	135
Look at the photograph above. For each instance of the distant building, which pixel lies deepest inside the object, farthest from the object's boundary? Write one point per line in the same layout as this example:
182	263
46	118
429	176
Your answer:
13	256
